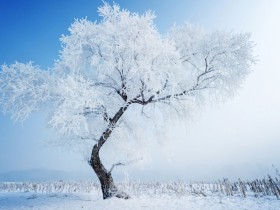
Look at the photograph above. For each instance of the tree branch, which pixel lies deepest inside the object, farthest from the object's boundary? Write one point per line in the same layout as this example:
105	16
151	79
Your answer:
124	164
114	165
197	86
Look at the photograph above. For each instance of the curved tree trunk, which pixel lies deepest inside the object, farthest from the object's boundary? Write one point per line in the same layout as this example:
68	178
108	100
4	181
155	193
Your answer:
108	186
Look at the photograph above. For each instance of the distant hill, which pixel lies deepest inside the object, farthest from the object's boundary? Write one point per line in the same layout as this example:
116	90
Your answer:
43	175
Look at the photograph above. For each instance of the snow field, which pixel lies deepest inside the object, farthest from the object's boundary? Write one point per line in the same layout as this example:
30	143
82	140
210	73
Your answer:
87	195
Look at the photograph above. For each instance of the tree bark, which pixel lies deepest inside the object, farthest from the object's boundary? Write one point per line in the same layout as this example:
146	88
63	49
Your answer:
108	186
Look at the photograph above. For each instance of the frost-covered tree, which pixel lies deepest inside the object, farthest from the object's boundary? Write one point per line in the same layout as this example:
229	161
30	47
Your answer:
115	69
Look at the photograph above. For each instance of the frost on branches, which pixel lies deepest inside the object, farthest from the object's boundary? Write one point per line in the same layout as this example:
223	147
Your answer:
111	71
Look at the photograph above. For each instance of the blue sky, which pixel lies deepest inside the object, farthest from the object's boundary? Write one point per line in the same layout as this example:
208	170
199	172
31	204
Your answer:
237	138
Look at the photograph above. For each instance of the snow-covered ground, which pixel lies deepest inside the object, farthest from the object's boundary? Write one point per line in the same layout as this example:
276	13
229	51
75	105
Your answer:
155	195
75	201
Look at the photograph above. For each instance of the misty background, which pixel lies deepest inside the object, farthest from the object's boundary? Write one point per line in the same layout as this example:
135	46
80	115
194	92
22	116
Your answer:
236	138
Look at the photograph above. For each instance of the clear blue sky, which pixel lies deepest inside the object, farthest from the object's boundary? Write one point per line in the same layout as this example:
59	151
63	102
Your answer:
247	124
30	30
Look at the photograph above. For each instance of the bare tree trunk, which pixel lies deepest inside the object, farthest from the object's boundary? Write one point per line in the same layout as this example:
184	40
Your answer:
108	186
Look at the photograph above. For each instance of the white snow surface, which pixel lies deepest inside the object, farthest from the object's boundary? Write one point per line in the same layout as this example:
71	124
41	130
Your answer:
28	200
154	195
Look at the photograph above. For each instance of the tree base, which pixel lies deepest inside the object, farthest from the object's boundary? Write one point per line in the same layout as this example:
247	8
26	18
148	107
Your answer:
115	193
122	195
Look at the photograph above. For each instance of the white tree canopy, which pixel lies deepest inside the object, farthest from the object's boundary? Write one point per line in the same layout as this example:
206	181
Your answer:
122	60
